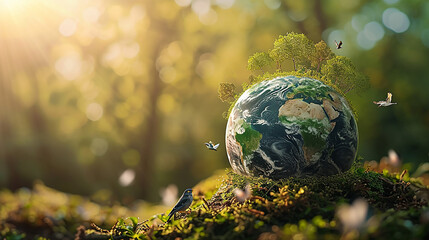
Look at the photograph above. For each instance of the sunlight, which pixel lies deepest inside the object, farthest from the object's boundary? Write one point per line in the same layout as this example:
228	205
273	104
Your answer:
12	5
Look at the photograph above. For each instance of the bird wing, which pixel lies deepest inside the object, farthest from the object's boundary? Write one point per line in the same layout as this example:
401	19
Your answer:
207	144
389	98
182	204
379	102
216	146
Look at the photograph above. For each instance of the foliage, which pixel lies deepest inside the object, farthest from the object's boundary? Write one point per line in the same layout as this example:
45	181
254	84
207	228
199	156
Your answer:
226	91
321	55
341	72
292	46
304	207
49	83
312	60
259	60
284	209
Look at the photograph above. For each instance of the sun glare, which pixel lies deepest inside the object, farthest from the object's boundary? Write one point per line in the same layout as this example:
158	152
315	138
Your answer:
12	5
27	29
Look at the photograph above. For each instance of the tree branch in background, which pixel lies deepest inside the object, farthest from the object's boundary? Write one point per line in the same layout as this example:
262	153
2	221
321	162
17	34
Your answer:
320	16
226	92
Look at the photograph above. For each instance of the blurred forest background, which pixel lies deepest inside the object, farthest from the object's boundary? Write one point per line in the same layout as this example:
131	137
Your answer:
115	99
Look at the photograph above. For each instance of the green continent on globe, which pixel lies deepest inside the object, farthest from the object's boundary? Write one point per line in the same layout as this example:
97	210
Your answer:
291	126
249	139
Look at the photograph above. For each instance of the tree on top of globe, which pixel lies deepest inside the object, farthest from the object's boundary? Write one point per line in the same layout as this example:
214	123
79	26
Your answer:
296	122
309	59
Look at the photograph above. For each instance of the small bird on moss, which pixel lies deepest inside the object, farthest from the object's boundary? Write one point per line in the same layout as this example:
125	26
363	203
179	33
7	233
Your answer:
210	146
184	202
386	103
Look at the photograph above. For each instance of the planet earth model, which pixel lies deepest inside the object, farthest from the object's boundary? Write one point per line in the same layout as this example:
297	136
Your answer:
291	126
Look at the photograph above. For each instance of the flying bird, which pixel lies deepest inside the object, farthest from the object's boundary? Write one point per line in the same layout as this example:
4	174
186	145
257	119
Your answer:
386	103
339	45
210	146
184	202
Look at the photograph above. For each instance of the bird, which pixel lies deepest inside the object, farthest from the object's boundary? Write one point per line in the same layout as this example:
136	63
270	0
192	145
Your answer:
339	45
386	103
210	146
184	202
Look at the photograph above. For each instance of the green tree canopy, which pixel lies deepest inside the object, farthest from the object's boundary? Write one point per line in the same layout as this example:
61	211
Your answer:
292	46
341	72
321	55
311	60
259	60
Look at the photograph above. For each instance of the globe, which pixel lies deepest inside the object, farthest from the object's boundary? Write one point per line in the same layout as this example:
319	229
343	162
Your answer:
291	126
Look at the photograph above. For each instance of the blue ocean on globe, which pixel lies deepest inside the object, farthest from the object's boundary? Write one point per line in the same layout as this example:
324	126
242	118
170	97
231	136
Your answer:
291	126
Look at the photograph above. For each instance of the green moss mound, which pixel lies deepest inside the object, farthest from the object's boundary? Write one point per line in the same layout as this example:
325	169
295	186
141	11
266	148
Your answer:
305	208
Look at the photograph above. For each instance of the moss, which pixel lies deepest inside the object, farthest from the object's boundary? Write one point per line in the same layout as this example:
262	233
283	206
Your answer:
297	207
302	207
249	139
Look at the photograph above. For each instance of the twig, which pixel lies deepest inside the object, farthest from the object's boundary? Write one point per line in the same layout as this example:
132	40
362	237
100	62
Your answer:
207	204
99	229
254	211
402	174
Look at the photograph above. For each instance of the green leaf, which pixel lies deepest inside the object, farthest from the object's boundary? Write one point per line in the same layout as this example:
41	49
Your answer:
135	221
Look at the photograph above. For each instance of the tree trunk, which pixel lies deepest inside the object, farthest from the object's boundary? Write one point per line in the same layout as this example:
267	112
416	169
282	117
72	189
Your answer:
150	136
8	164
319	15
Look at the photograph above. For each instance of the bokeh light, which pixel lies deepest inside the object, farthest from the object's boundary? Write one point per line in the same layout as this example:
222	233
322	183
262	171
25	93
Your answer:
91	14
183	3
201	7
396	20
94	111
272	4
391	1
358	22
99	146
364	42
127	177
69	66
169	194
209	18
373	31
225	4
68	27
